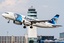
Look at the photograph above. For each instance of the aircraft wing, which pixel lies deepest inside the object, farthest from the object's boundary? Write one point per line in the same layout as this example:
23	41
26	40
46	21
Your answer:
38	21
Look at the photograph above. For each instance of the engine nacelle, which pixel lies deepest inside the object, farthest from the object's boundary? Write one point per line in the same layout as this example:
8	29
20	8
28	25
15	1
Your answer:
18	23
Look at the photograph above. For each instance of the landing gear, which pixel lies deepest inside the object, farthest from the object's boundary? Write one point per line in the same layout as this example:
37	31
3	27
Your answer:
20	23
13	21
31	26
9	21
23	21
24	26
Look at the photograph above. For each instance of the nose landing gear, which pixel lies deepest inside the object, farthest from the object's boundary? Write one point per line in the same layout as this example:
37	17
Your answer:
8	21
31	26
24	26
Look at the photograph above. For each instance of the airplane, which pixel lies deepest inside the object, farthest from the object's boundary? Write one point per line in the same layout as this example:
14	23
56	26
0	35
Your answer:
20	19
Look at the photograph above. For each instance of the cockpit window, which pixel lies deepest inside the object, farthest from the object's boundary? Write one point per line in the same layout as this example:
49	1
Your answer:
6	12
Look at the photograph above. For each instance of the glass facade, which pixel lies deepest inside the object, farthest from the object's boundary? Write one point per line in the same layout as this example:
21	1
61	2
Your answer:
41	41
46	37
12	39
62	35
21	39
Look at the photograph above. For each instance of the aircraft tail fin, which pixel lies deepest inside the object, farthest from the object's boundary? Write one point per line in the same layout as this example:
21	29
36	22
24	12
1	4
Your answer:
54	19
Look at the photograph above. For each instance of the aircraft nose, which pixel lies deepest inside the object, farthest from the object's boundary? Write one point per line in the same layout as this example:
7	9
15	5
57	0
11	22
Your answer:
3	15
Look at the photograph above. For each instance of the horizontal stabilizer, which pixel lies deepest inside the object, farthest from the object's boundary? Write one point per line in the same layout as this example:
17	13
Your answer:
57	25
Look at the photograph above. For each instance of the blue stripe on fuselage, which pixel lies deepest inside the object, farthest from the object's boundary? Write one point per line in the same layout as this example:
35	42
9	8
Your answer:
19	18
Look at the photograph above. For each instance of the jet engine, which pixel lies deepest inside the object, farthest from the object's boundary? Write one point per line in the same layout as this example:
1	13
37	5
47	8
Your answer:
17	22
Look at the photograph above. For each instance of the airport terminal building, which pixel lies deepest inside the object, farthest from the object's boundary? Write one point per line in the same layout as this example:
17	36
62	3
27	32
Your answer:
12	39
23	39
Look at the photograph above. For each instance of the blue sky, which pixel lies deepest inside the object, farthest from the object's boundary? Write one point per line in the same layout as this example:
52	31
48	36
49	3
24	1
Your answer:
46	10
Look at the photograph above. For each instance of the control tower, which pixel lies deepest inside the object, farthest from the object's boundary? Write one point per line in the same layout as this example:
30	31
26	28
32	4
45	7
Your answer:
32	12
32	32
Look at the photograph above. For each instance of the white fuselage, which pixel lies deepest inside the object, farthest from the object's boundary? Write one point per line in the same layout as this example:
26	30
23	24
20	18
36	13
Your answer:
12	16
43	25
9	15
